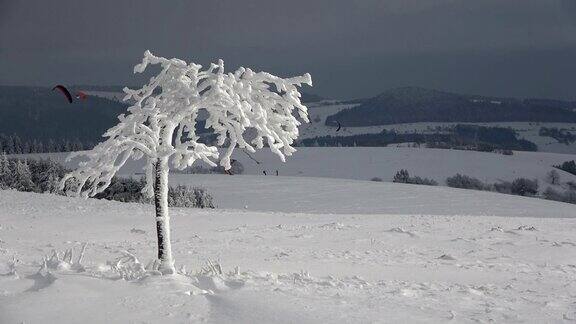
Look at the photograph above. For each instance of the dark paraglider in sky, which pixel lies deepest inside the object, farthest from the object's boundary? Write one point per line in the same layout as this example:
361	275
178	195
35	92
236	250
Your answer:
64	92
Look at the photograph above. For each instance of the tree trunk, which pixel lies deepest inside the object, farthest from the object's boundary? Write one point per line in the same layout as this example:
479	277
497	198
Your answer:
162	217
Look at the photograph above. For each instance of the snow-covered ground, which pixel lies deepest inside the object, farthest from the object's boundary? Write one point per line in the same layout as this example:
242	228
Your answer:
296	250
364	163
339	196
316	244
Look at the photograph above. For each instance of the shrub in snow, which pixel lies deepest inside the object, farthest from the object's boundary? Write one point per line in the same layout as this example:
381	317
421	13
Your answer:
552	194
161	127
376	179
520	187
568	196
504	187
466	182
182	196
130	190
125	190
422	181
524	187
44	176
403	176
568	166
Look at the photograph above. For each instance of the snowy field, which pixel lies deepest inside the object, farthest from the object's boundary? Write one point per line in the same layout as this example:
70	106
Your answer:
364	163
338	196
296	250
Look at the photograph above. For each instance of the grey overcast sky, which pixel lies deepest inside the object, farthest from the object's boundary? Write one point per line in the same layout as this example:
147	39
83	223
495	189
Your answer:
351	48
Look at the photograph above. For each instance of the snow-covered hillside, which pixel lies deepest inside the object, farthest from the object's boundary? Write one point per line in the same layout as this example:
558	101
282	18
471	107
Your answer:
364	163
527	130
338	196
325	251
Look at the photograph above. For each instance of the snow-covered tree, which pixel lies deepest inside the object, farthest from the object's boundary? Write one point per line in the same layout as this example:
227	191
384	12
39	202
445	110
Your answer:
161	127
22	177
5	172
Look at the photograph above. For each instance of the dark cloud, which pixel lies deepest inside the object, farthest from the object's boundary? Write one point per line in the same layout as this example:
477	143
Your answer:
353	48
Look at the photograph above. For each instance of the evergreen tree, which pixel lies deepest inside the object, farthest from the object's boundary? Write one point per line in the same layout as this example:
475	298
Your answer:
22	177
67	146
9	148
39	147
76	145
52	184
34	147
26	147
51	146
2	143
17	144
5	172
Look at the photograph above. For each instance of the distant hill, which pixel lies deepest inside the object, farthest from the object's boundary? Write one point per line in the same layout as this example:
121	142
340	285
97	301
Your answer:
309	98
40	113
412	104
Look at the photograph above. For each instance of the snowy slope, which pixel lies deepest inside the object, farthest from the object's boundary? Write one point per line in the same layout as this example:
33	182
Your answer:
338	196
384	263
364	163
